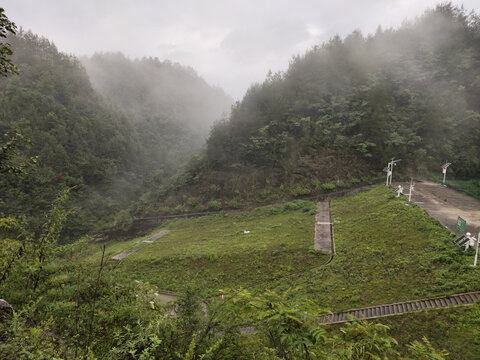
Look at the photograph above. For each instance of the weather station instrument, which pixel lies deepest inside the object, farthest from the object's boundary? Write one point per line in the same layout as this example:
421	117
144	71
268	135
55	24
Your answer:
389	170
444	171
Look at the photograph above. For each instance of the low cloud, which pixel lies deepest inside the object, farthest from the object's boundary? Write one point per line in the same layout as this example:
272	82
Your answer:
230	43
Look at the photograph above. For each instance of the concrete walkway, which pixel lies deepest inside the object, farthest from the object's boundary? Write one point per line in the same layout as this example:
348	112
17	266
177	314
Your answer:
323	233
144	243
446	205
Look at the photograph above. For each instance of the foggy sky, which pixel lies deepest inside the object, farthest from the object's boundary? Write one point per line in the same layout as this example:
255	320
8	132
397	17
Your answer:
229	43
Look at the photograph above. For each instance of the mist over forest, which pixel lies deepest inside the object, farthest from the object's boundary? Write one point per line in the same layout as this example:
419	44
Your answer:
128	126
107	156
342	110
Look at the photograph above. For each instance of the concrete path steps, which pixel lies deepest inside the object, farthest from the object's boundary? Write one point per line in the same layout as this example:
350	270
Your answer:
373	312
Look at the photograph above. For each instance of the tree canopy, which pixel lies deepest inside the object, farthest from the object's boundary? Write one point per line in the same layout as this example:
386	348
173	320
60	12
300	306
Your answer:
109	146
411	93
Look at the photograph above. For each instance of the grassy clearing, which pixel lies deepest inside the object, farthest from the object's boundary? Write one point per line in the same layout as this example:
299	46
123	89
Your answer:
469	187
210	253
386	252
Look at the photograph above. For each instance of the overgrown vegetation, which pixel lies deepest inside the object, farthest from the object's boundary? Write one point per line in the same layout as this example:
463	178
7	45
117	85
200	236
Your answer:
470	187
280	286
453	329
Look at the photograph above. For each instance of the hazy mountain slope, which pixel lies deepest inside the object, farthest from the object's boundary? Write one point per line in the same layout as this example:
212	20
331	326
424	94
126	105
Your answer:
344	108
412	92
171	107
111	148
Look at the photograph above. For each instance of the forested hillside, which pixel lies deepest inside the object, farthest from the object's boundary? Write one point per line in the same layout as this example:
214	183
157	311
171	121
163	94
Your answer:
412	93
107	148
345	107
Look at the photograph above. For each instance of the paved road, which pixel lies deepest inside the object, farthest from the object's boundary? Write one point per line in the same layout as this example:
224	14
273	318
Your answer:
446	205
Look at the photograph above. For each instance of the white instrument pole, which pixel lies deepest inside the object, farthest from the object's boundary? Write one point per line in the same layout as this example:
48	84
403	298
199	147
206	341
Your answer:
444	170
388	173
476	251
410	193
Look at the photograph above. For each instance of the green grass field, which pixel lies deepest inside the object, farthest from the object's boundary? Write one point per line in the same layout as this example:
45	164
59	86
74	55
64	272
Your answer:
212	253
386	252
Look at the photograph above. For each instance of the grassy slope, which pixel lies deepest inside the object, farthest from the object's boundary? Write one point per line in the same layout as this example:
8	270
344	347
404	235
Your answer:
457	330
211	253
387	252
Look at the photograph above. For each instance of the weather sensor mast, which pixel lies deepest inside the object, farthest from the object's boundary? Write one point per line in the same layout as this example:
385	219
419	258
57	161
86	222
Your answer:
389	170
444	171
412	186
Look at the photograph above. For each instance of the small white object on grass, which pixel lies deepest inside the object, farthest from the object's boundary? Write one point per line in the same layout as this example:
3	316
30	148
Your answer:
246	231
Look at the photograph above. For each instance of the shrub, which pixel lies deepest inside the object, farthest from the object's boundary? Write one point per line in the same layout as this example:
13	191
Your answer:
179	209
235	203
293	205
328	186
299	190
200	207
193	201
316	184
215	187
214	205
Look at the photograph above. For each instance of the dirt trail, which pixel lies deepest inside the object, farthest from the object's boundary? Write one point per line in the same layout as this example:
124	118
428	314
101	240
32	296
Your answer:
446	205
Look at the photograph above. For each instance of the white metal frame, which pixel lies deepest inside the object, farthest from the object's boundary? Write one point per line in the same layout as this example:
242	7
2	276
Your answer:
444	171
389	170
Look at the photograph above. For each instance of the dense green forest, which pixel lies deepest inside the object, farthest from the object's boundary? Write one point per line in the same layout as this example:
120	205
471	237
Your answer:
107	148
411	93
344	108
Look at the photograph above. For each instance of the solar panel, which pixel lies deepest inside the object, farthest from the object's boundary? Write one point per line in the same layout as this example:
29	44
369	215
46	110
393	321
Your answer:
462	240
